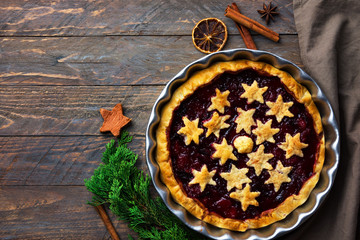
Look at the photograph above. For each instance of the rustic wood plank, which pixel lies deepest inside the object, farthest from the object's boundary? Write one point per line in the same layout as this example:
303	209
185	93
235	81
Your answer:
111	60
49	135
71	110
45	161
141	17
56	212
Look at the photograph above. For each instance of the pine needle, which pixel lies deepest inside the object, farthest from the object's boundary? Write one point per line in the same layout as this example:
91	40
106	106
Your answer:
119	183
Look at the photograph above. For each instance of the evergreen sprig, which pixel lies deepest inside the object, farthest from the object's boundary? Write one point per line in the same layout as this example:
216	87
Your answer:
119	183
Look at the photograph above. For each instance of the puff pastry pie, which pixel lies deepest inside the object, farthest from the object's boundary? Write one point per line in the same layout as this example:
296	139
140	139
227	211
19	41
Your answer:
240	144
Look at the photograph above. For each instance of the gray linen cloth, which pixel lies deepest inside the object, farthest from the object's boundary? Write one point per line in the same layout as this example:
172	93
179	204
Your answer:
329	38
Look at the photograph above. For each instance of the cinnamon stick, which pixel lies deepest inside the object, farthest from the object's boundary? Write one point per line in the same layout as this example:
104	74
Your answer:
257	24
105	218
251	24
244	32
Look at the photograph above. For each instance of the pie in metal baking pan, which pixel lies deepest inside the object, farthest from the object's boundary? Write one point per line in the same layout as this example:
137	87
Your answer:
228	167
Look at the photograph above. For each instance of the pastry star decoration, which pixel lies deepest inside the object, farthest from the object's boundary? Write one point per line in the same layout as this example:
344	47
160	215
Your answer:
246	197
245	120
259	160
219	102
114	120
293	145
203	177
278	176
190	130
264	132
236	177
253	92
279	108
224	151
216	123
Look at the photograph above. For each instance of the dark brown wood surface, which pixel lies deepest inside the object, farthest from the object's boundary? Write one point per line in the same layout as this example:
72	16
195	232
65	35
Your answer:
60	62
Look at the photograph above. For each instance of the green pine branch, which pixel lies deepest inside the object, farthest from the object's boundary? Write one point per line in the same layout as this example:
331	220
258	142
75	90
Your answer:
118	182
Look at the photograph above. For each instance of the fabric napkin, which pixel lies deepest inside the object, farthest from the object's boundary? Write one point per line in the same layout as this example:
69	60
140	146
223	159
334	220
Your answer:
329	39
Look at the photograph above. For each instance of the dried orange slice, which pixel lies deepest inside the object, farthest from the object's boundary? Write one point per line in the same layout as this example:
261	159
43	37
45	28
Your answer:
209	35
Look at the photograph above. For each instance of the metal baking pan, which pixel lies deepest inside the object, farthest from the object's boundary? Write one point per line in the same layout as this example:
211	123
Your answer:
332	147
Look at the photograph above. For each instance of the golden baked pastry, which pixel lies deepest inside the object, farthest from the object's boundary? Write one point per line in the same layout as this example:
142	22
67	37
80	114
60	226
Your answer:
240	144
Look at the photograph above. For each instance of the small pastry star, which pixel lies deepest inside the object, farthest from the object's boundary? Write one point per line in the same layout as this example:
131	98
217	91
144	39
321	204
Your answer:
253	92
114	120
219	102
245	120
264	132
278	176
216	123
292	145
246	197
259	160
203	177
236	177
190	131
279	108
224	151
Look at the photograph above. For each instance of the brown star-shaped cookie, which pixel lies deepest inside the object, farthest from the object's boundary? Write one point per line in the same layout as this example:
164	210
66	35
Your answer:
219	102
203	177
190	131
279	108
259	160
245	120
224	151
114	120
253	92
278	176
216	123
264	132
236	177
292	145
246	197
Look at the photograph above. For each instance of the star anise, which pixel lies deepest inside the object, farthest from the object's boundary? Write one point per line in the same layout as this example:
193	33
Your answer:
268	12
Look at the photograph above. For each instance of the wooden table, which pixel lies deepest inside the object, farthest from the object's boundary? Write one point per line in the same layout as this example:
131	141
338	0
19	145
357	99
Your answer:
60	62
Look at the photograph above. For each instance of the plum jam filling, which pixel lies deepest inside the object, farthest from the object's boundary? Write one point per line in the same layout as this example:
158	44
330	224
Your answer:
186	158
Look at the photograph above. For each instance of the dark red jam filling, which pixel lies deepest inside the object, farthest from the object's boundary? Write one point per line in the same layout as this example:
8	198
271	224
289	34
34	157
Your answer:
185	158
